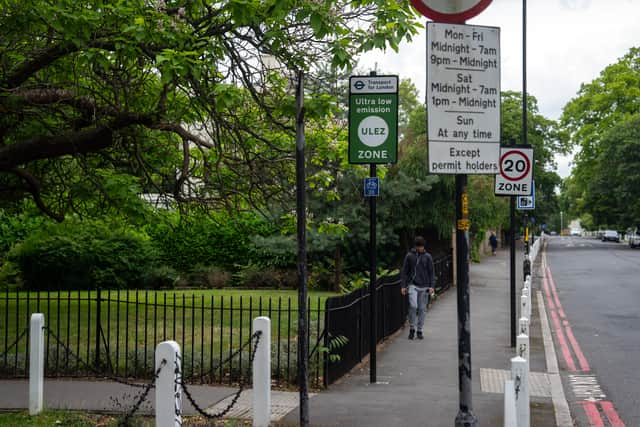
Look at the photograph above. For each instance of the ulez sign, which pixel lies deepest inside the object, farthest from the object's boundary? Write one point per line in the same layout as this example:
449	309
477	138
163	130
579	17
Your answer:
373	119
463	98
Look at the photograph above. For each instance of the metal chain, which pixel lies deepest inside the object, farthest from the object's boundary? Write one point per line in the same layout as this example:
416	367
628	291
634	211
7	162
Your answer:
222	362
143	395
22	334
88	366
222	413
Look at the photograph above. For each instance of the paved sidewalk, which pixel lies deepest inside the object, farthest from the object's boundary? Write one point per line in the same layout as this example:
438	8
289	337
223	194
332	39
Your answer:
417	380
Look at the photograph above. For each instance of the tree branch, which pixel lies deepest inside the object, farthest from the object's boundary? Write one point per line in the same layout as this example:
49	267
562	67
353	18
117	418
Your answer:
33	186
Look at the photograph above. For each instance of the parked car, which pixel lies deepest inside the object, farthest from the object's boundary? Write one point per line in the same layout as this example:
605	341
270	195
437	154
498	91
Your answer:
611	236
634	238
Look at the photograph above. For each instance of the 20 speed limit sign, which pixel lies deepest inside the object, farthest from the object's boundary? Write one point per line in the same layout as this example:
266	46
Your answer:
516	171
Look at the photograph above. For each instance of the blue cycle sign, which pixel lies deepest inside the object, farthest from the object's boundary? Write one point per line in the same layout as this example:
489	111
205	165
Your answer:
373	119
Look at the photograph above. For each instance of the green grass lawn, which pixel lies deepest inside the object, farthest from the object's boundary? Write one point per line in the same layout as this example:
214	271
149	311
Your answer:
51	418
208	324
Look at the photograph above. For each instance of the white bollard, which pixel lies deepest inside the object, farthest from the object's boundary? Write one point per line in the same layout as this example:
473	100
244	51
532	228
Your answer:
524	310
510	419
36	364
262	374
522	344
524	325
168	385
520	377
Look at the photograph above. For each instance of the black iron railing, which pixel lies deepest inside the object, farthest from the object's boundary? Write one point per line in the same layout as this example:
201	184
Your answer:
114	334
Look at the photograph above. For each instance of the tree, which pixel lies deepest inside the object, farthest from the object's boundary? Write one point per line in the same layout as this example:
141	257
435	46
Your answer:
101	98
611	197
610	99
546	139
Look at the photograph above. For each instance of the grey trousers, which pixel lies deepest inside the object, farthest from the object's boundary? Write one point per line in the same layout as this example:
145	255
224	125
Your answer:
418	299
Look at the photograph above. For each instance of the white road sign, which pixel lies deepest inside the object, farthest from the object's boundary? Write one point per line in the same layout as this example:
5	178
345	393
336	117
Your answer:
463	98
516	172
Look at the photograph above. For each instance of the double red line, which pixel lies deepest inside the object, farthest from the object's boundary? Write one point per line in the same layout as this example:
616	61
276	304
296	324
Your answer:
568	342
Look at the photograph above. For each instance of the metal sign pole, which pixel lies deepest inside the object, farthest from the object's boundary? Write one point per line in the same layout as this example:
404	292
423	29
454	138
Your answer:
465	417
303	343
512	267
373	340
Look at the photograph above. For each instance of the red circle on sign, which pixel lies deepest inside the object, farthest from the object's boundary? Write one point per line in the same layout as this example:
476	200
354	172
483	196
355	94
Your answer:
451	18
526	162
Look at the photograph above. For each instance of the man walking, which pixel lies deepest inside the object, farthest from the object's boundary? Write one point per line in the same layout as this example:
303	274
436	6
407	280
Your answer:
418	281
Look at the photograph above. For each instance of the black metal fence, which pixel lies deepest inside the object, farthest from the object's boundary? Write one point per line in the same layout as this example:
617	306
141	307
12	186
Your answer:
114	333
347	326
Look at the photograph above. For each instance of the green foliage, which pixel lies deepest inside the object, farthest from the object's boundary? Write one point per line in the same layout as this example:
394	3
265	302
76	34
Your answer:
211	277
335	343
603	110
159	277
125	93
212	238
83	256
255	276
15	228
611	196
275	251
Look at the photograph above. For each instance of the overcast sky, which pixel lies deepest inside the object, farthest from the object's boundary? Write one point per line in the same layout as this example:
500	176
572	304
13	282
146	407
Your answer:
569	42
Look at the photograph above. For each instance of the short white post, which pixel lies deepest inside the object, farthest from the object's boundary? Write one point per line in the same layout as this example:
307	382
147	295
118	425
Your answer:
510	419
262	373
526	291
524	311
522	344
36	364
520	376
168	385
524	325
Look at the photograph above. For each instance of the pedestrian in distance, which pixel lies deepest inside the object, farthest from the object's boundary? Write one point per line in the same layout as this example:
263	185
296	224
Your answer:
418	281
493	241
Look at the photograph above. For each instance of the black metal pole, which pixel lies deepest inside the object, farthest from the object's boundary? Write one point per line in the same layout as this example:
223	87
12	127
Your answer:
372	283
98	326
465	417
512	267
373	315
303	346
524	72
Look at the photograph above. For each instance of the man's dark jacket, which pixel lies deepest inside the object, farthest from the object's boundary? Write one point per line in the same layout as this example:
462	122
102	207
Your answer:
418	270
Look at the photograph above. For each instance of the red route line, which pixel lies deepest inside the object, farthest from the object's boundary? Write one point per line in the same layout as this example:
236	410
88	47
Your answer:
593	414
590	408
566	353
612	414
550	303
555	294
584	365
582	360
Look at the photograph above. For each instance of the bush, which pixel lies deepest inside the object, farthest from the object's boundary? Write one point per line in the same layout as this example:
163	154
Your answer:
160	277
210	277
212	239
254	275
83	255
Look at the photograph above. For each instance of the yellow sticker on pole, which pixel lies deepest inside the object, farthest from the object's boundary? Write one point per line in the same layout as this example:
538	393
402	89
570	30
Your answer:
465	204
464	224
